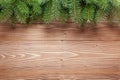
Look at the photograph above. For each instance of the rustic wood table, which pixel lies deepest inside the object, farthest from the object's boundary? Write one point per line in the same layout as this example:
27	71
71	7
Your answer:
59	52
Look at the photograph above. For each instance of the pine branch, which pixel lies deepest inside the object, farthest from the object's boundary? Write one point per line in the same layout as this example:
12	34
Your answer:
79	11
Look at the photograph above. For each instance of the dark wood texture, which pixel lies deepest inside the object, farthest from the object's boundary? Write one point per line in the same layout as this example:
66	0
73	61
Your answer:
59	52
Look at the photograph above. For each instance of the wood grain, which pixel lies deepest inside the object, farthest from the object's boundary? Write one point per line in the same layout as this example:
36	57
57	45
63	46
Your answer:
59	52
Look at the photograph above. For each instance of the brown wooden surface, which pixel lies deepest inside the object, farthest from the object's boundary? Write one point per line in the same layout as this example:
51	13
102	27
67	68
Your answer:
59	52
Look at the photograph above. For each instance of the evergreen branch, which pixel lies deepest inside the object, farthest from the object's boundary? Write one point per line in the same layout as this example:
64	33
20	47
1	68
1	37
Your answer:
74	8
79	11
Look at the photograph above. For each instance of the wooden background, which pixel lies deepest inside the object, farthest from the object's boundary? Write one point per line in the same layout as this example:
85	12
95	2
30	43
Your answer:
59	52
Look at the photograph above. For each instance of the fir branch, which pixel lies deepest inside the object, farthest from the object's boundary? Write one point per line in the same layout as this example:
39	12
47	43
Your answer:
79	11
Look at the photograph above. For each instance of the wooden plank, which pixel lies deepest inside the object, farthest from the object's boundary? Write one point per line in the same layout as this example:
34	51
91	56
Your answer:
59	52
59	32
44	59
